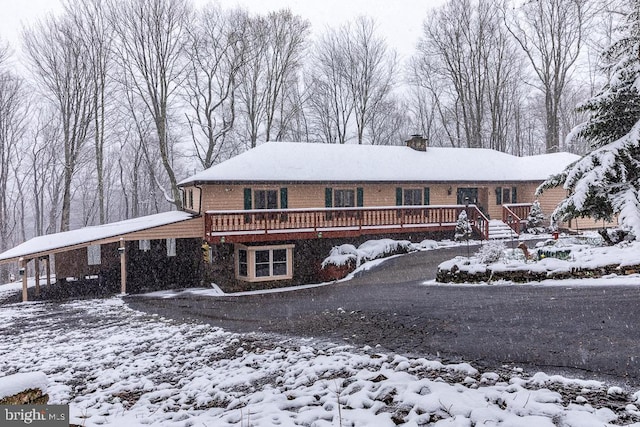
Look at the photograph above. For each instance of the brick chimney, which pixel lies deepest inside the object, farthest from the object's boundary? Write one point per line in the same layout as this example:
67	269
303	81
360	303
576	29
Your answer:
417	142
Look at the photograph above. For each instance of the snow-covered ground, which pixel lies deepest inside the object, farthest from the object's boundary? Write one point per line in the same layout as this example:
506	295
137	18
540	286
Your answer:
116	366
555	257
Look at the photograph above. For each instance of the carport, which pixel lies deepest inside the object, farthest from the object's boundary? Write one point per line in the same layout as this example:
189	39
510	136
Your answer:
168	225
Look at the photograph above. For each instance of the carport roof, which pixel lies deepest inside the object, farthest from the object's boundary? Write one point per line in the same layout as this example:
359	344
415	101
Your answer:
106	233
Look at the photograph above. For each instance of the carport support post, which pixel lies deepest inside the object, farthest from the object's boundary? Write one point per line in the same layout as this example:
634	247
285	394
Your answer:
123	268
23	271
48	268
36	266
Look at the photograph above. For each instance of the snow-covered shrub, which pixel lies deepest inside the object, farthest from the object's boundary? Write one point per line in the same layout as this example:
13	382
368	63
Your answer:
463	228
341	255
374	249
491	252
369	250
612	236
535	219
428	244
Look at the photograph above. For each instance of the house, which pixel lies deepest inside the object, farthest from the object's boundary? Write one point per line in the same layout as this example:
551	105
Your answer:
269	216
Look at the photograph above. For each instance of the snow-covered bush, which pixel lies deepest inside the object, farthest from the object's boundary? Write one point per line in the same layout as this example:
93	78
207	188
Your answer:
428	244
535	219
341	255
491	252
463	228
369	250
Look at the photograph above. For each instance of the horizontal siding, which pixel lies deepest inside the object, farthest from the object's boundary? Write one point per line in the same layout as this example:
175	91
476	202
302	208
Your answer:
180	230
304	196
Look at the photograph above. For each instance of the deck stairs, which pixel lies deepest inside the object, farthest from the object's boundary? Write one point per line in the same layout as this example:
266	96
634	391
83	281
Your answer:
499	230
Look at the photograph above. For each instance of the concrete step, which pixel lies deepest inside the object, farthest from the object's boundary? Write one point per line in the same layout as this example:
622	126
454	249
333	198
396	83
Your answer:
499	230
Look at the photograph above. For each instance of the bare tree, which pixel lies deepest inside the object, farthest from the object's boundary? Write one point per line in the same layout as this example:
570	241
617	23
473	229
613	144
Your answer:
216	53
370	70
387	124
149	48
275	45
59	60
90	20
13	103
287	34
330	98
551	33
470	69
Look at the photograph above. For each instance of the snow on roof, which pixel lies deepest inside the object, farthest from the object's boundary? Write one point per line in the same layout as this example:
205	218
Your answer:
300	162
84	235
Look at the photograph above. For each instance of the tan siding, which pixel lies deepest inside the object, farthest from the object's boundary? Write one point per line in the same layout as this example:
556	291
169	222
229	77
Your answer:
196	199
303	196
180	230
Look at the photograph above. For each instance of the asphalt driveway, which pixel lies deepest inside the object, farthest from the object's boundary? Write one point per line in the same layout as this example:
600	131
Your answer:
589	332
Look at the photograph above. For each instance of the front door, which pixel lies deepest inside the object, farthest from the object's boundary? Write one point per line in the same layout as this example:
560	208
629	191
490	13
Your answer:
470	194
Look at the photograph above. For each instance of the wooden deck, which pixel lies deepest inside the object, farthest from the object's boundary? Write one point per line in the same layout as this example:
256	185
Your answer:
263	225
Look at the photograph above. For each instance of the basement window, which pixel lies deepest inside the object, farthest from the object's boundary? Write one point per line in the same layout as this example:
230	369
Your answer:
263	263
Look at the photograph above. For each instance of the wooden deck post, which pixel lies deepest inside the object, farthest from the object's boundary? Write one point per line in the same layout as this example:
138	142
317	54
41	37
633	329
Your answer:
23	272
47	261
123	267
36	265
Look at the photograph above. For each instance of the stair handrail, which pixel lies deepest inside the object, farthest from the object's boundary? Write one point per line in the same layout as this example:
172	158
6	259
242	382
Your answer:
481	224
515	222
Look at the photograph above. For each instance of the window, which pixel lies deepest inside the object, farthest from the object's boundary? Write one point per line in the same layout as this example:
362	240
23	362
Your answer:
261	263
242	263
506	195
498	195
171	247
94	255
412	197
144	245
271	263
191	198
265	199
344	198
279	262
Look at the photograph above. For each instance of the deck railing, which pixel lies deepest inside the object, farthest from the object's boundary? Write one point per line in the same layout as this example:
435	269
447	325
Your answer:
515	215
271	224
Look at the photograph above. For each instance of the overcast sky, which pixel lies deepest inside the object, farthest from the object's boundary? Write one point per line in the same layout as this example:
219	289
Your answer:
399	21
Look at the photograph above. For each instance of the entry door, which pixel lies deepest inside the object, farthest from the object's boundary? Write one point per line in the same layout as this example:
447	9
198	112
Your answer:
471	193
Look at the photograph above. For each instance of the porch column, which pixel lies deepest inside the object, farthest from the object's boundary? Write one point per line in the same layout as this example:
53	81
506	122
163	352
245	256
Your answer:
123	267
48	269
23	272
36	265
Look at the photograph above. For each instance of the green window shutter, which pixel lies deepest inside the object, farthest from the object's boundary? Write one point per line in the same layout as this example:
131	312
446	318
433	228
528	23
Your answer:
359	197
514	194
398	196
284	200
328	197
427	196
498	195
247	199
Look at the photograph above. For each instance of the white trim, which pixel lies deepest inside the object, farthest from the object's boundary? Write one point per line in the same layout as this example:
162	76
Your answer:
251	262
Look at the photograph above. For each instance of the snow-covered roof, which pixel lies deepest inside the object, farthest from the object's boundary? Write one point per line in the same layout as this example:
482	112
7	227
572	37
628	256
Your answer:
312	162
86	235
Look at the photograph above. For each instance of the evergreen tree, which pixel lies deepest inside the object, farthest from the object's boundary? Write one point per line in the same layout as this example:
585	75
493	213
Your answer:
535	218
606	182
463	227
